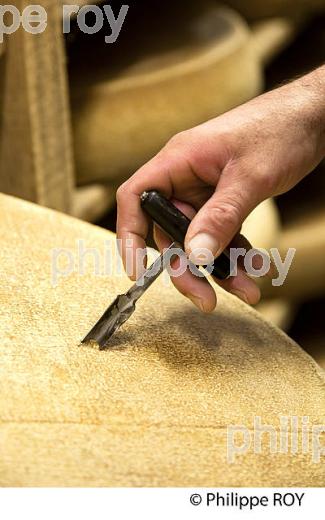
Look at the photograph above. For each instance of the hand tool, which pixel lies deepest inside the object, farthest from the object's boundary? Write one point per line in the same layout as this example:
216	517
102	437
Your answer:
173	222
124	304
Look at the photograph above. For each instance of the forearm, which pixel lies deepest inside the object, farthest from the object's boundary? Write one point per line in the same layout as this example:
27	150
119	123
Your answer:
313	85
286	127
307	95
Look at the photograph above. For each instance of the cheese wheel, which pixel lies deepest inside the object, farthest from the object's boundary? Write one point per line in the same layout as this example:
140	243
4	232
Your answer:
156	408
306	275
254	9
127	102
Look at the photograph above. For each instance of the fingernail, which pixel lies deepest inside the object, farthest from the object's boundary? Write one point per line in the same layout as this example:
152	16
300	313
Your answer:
196	300
200	242
241	295
134	272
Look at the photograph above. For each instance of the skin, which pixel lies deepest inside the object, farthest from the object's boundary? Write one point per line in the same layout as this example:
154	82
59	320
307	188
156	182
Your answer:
219	171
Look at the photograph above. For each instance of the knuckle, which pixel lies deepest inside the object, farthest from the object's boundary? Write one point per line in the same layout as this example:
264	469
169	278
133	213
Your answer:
122	193
257	176
178	139
226	215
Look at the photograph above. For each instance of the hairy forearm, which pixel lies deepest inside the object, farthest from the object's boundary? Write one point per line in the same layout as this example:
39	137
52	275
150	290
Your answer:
314	85
309	95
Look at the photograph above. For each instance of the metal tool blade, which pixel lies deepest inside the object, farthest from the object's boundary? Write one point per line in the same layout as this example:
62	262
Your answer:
123	306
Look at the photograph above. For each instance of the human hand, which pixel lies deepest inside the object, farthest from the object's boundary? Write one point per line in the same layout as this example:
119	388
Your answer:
218	172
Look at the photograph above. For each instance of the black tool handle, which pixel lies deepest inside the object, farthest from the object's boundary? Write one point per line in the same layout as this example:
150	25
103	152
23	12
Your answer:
171	220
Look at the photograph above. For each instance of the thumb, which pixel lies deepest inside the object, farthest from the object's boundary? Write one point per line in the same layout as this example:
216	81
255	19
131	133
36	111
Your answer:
218	221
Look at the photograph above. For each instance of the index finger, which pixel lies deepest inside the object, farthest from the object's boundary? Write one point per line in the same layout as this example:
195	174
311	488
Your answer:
132	223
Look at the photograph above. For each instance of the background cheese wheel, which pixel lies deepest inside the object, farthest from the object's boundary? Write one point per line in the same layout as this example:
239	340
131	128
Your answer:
263	229
253	9
154	410
128	102
306	276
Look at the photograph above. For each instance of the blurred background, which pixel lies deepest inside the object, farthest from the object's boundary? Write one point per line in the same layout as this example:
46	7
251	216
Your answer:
79	116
